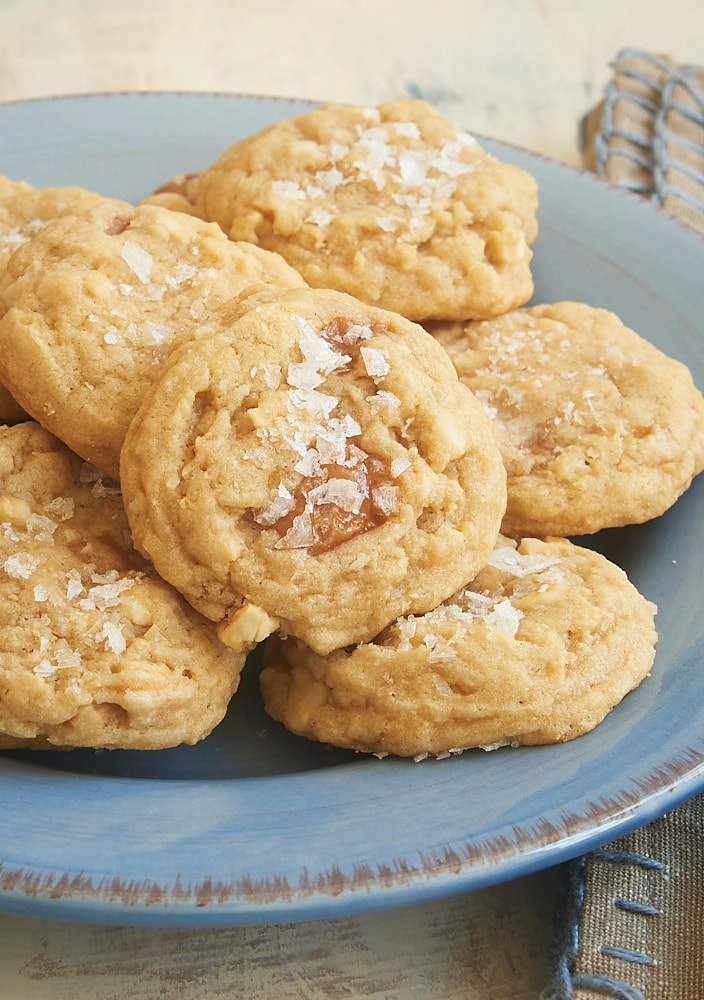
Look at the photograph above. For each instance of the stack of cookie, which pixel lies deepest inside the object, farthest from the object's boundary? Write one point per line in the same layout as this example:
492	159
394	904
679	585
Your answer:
307	382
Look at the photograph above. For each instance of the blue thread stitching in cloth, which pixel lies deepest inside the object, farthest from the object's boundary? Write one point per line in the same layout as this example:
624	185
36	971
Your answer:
565	940
664	135
654	153
631	906
628	858
626	954
565	944
608	127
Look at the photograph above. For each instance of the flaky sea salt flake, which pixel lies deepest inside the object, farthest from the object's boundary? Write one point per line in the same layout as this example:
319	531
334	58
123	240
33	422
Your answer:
112	336
386	498
113	638
182	272
199	305
510	560
139	260
41	528
105	595
504	619
413	168
337	150
399	466
21	565
288	189
347	426
343	493
74	584
448	161
66	657
154	291
304	375
356	332
329	179
318	405
319	353
375	362
382	399
45	668
282	504
408	129
310	464
300	535
319	216
387	223
156	333
406	628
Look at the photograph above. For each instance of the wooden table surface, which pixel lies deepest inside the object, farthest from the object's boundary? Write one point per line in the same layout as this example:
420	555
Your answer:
524	71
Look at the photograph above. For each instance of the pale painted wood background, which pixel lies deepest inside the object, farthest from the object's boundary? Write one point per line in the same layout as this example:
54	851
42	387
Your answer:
524	71
519	70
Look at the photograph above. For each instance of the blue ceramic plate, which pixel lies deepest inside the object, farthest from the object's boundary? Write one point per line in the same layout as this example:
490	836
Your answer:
256	826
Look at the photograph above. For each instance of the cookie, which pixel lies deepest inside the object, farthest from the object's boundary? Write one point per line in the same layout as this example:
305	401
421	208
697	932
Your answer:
545	641
95	649
314	466
597	427
24	210
394	205
95	302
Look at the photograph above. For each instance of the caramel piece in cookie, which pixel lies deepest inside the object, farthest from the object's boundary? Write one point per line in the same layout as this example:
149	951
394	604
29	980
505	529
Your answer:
545	641
314	466
177	194
94	304
597	427
95	649
394	205
24	211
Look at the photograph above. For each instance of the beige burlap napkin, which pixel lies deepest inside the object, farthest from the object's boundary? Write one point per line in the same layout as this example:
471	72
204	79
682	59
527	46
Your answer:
629	921
647	134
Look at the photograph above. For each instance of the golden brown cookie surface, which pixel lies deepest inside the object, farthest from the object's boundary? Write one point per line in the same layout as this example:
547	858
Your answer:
317	466
95	302
545	641
597	427
394	205
24	211
95	649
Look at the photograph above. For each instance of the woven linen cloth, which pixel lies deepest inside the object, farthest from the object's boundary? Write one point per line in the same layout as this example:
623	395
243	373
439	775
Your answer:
647	134
629	918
